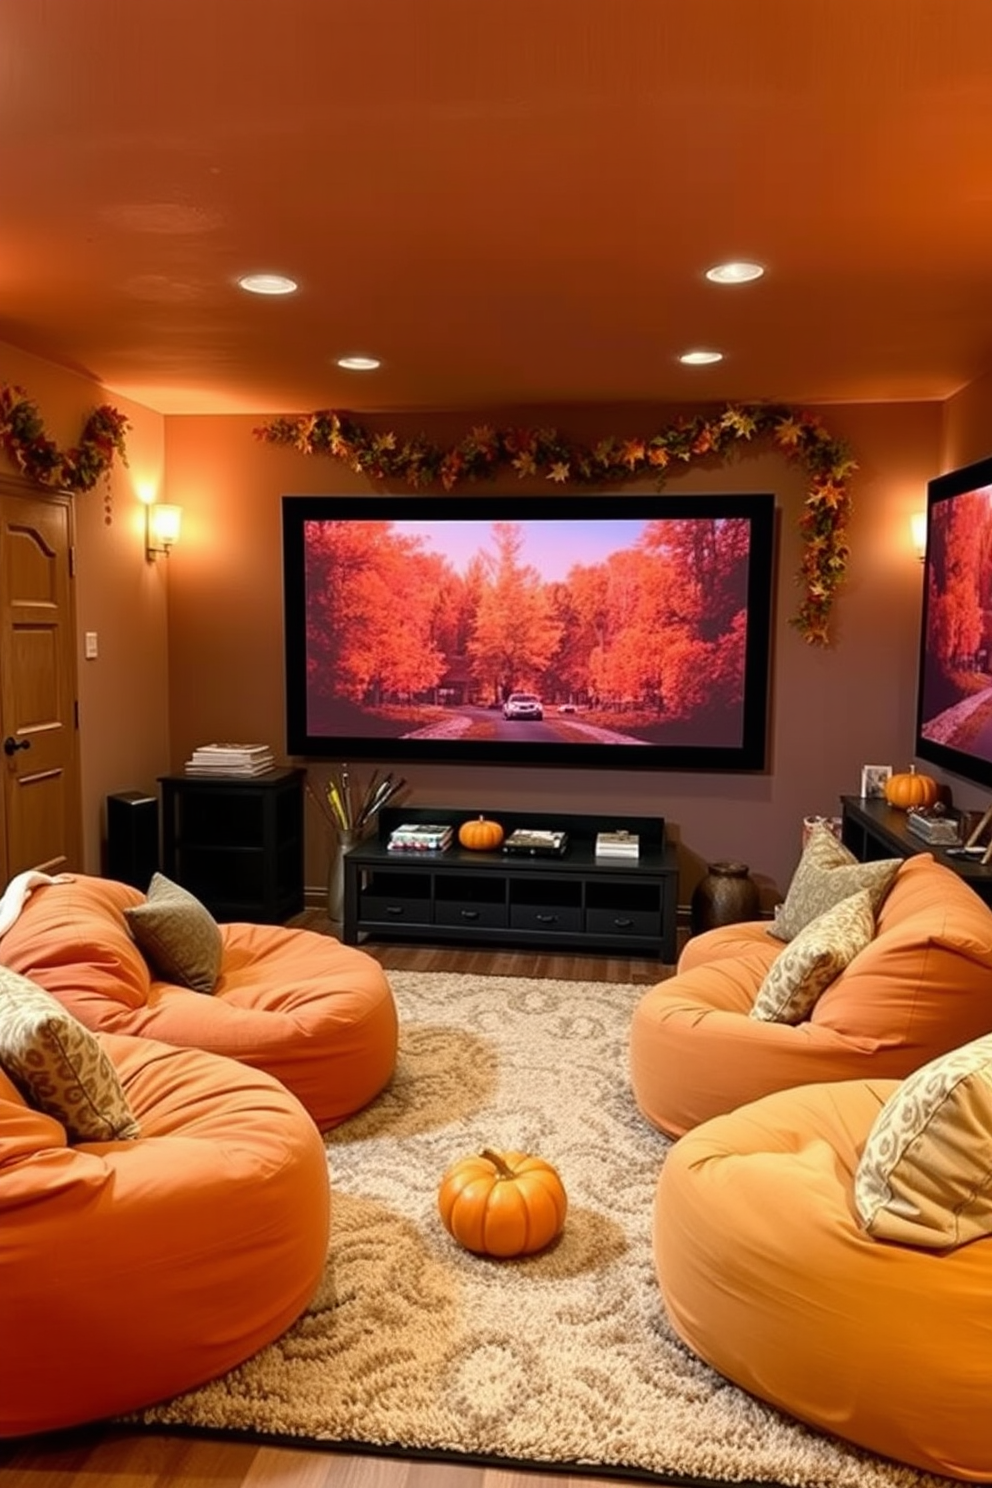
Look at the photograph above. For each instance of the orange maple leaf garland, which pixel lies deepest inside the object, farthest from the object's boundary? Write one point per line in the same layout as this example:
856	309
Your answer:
37	456
796	433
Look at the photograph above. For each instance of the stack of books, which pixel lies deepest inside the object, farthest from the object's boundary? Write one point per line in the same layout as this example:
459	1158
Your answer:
617	845
420	837
539	843
934	827
231	759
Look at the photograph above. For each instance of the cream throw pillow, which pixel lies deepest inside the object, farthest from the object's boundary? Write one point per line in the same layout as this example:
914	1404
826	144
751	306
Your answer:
925	1176
827	873
813	959
59	1066
177	934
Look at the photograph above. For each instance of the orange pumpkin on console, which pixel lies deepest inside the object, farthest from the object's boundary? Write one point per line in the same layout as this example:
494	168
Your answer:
480	835
909	790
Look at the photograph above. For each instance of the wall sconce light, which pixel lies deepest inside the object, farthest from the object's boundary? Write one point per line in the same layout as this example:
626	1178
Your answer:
918	526
162	524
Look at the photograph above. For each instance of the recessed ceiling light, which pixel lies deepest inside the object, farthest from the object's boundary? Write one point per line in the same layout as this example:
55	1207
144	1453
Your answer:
359	363
267	284
700	358
734	273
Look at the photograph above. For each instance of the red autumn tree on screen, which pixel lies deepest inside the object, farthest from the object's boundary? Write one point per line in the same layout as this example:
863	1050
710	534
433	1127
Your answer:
516	631
959	570
665	621
378	607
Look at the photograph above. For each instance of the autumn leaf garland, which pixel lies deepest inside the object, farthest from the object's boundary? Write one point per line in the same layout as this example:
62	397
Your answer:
797	434
23	438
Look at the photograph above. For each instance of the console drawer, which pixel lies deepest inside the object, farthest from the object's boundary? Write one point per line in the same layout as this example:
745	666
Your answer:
469	912
394	910
623	922
548	917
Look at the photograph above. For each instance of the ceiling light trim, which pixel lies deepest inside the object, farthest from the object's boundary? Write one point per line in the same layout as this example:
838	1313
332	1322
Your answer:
735	271
268	284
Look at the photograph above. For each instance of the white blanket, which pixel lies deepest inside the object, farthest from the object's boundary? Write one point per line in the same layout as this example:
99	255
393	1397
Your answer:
19	889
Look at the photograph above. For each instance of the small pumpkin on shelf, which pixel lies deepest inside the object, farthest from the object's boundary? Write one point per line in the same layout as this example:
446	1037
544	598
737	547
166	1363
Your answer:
502	1203
908	790
480	835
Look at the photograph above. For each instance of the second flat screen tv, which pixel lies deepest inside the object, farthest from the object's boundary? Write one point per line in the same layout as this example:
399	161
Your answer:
601	631
954	696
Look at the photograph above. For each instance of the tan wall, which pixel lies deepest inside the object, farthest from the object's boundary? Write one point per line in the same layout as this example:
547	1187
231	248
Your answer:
123	693
832	711
968	425
191	647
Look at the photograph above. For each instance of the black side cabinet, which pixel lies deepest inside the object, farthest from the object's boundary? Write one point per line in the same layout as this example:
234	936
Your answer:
873	829
236	843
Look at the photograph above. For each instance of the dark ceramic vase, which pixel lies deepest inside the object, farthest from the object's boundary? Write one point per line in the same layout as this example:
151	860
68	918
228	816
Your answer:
725	896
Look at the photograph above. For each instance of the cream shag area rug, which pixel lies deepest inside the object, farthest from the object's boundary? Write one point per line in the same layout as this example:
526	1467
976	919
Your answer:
561	1358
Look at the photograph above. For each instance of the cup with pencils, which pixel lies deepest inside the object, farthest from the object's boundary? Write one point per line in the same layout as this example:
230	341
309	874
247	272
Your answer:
351	810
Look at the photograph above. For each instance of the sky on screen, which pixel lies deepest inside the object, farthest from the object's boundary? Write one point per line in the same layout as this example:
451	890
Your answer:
552	547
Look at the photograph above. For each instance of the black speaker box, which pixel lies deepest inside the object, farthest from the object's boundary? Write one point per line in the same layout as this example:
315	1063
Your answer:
132	838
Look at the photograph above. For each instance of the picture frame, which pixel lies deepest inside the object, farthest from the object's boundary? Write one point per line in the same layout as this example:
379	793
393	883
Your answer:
873	779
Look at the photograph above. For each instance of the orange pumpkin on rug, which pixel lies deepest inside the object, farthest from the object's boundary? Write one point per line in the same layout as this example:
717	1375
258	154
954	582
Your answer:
502	1203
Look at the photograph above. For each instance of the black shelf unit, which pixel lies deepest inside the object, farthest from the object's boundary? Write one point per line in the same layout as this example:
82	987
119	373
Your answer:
236	842
873	829
579	901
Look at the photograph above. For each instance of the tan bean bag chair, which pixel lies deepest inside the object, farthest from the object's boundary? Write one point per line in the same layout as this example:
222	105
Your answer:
769	1275
131	1270
317	1014
922	985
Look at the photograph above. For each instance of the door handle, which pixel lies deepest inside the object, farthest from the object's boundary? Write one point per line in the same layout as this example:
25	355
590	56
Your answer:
12	745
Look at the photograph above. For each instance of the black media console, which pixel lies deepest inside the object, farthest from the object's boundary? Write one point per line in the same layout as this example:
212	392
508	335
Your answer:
578	900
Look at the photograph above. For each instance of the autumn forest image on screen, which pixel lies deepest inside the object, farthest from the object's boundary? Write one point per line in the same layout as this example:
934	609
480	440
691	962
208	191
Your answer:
567	631
956	679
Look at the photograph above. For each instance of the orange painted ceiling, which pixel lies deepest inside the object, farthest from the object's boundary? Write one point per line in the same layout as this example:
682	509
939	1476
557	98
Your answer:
507	201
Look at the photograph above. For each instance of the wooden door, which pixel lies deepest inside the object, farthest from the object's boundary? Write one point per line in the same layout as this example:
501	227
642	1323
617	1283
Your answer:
40	801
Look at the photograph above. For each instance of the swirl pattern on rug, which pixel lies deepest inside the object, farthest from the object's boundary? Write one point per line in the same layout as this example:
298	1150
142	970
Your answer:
561	1357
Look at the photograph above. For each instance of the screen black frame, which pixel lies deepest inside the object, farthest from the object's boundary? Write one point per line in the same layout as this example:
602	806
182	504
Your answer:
750	755
954	483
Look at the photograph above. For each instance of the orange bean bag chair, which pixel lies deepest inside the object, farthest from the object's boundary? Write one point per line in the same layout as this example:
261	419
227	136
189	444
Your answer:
133	1270
767	1274
317	1014
921	986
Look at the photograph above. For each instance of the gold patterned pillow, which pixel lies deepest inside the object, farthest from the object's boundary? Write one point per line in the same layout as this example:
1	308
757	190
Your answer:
925	1175
813	959
827	873
177	934
59	1066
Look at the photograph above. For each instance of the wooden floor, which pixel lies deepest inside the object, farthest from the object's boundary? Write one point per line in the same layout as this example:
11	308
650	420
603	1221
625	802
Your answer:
105	1457
119	1460
487	961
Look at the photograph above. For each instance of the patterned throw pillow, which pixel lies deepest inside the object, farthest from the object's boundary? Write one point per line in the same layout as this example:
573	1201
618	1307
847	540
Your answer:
813	959
925	1176
827	873
178	935
59	1066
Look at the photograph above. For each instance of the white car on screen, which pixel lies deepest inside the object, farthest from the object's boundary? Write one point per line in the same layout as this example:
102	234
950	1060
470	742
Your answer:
523	705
